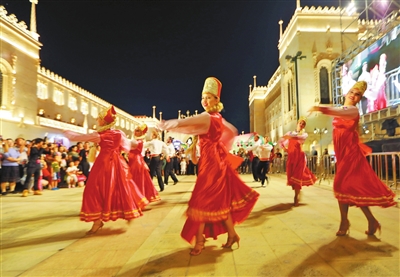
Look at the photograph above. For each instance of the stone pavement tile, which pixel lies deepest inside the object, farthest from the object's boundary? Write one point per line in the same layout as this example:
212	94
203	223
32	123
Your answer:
211	270
314	269
105	259
162	263
248	238
267	269
11	273
135	263
216	261
20	261
336	249
293	254
87	272
254	255
366	268
342	248
89	259
282	236
169	241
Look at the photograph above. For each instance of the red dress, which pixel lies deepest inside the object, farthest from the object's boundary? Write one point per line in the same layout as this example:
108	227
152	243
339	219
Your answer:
110	192
218	190
140	173
297	172
355	181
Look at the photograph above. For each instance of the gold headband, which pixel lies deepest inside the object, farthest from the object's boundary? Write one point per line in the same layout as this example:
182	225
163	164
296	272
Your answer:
302	118
361	86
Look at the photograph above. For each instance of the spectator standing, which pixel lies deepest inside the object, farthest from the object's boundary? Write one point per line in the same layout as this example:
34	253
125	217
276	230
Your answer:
55	171
314	158
183	166
35	151
169	166
255	159
278	161
10	169
83	163
157	147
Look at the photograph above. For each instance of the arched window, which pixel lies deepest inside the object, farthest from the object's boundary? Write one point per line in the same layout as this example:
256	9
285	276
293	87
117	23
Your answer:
58	97
84	107
42	92
324	85
94	112
6	83
72	103
322	77
287	90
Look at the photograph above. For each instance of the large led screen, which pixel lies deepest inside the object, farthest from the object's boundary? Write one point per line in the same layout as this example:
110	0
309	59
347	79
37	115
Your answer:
379	66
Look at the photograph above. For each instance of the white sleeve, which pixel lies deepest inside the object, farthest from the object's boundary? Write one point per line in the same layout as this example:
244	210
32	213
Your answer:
346	112
93	137
125	143
195	125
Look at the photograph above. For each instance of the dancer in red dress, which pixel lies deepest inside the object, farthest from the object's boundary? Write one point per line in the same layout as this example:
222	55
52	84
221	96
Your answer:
139	168
110	191
298	174
355	184
220	199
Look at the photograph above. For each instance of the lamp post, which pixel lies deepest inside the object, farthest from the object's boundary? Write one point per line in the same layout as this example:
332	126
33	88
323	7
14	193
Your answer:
294	59
320	132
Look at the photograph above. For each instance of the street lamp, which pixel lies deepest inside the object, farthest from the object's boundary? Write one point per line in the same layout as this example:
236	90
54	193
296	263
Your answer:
320	132
294	59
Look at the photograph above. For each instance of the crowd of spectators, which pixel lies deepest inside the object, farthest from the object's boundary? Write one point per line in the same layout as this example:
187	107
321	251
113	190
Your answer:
276	164
60	167
181	163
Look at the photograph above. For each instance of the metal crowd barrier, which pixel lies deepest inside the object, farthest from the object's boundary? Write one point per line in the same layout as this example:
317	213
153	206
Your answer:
386	165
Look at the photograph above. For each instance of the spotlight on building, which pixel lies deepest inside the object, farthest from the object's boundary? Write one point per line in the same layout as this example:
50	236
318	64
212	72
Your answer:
73	120
41	112
58	116
365	129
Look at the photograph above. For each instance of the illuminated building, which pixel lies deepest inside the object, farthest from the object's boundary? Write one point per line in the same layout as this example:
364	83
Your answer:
313	48
35	100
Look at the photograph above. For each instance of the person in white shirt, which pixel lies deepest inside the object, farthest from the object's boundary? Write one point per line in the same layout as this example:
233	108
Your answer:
264	153
168	170
255	160
156	147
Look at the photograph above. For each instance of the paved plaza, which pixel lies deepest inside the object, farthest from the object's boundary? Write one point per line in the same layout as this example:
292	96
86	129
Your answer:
42	236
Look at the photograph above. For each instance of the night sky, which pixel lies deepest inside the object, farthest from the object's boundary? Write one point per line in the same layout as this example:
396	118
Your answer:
137	54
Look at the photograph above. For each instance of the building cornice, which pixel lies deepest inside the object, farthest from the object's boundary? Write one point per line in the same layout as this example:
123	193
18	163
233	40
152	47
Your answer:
261	92
19	26
62	82
338	22
23	43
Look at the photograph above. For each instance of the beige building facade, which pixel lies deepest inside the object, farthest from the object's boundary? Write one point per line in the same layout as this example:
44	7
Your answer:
34	100
310	50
